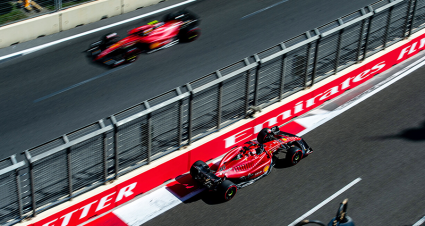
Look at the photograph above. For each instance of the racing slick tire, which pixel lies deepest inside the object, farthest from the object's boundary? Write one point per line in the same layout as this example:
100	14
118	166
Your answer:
227	190
194	171
263	136
191	35
294	155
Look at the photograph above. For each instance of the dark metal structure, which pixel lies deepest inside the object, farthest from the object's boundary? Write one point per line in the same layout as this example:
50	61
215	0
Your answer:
86	158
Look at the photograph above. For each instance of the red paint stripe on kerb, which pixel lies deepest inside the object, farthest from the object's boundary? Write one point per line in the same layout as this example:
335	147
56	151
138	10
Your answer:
292	127
109	219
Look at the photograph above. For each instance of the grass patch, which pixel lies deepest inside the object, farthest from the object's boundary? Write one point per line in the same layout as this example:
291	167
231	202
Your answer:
15	14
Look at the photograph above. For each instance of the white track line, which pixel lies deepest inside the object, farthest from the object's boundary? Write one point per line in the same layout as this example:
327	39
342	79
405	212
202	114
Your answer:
33	49
420	222
325	201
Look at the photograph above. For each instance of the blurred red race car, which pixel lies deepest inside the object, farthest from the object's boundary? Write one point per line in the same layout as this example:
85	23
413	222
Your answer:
177	27
245	164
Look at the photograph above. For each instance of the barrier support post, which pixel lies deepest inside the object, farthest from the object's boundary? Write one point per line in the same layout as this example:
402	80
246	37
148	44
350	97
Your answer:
247	87
189	120
219	100
282	73
307	62
359	46
338	47
68	164
257	75
369	25
316	56
413	17
31	169
18	186
387	27
104	152
116	158
180	118
149	137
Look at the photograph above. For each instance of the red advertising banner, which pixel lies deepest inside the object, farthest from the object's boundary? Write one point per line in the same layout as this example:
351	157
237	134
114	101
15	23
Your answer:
125	191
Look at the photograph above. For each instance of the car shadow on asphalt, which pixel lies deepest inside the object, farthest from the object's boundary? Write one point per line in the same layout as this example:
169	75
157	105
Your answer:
413	134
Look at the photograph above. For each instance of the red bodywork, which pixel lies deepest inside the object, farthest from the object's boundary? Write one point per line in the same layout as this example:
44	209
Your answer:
251	165
153	36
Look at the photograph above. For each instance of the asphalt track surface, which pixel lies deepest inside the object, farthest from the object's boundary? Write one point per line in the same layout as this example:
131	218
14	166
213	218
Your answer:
381	140
231	30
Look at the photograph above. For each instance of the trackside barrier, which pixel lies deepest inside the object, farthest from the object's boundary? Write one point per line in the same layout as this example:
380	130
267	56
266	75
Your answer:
294	76
245	130
66	18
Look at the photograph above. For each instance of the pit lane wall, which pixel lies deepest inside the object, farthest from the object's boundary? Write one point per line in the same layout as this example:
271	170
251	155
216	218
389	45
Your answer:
67	19
142	180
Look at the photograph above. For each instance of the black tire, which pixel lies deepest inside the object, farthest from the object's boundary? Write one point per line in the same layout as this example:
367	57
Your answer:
227	190
189	35
263	136
294	155
194	171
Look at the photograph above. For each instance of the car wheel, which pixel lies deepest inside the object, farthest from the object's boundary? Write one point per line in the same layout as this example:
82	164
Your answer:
190	35
194	171
227	190
263	136
294	155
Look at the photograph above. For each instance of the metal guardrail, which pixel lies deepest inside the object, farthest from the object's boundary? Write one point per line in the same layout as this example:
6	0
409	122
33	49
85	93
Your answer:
86	158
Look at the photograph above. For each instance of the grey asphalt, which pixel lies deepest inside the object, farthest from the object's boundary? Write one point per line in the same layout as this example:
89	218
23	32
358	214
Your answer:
381	140
226	38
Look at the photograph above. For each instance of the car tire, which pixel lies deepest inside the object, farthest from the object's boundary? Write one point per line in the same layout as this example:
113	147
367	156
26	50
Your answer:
294	155
190	35
227	190
194	171
262	136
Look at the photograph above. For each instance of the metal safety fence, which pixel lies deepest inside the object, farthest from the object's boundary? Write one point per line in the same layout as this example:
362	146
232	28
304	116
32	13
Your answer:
86	158
12	11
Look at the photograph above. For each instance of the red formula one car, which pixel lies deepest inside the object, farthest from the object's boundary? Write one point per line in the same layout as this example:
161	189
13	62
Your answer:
245	164
177	27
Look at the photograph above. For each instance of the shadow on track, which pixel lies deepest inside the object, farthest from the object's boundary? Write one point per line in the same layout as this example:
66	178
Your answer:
413	134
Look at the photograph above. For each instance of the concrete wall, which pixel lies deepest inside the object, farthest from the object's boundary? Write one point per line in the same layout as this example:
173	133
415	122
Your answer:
67	19
29	29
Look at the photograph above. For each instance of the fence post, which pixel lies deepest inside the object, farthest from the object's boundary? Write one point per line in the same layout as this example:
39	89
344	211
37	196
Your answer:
359	46
257	75
307	34
220	97
180	118
406	22
114	122
338	50
387	28
413	17
104	152
189	120
316	56
369	25
149	130
282	73
68	163
246	61
31	169
18	185
58	4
